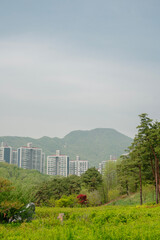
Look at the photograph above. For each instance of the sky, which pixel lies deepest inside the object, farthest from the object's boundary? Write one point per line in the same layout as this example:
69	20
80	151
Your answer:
78	65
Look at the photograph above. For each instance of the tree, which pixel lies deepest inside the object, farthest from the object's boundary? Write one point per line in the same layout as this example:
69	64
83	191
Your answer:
126	175
144	155
110	177
91	179
149	134
56	188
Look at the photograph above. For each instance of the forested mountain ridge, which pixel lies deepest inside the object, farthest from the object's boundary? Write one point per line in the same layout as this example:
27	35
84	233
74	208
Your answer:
93	145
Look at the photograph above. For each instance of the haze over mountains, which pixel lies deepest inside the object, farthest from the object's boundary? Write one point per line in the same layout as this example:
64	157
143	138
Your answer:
93	145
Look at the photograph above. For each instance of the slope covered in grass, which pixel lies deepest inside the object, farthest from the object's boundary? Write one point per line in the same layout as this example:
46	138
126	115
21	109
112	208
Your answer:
88	223
148	197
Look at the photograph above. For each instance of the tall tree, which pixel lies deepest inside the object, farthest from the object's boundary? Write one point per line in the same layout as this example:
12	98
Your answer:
91	179
110	177
149	135
142	161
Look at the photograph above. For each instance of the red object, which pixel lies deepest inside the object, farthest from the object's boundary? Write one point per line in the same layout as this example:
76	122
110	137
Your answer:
82	199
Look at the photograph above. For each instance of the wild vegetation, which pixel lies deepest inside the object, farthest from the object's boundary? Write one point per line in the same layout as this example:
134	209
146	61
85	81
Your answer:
132	180
140	166
136	170
107	222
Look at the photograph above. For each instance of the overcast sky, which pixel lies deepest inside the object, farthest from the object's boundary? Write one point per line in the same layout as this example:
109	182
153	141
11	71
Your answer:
77	65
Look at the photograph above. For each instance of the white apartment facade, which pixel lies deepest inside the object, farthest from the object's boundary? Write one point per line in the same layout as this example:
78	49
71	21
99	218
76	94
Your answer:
78	167
58	164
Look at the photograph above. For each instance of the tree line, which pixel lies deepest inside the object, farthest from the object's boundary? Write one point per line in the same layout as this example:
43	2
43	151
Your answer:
140	166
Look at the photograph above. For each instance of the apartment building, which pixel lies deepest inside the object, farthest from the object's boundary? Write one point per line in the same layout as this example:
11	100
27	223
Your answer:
5	153
78	167
30	157
58	164
14	159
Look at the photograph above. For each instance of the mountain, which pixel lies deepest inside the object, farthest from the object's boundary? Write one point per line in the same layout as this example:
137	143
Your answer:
93	145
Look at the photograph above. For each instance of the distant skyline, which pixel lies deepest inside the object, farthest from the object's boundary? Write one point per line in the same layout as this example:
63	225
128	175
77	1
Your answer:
78	65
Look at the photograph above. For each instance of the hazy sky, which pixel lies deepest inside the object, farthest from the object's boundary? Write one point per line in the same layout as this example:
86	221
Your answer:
78	64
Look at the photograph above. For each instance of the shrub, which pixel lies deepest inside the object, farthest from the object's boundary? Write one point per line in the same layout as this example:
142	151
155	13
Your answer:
5	189
8	207
51	202
8	210
113	194
94	198
82	199
66	201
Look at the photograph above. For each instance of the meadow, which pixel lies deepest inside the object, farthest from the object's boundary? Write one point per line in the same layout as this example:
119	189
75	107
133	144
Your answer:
92	223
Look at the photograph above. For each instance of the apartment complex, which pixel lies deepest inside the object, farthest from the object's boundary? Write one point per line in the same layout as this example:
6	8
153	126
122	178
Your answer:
5	153
14	159
43	170
30	157
78	167
58	164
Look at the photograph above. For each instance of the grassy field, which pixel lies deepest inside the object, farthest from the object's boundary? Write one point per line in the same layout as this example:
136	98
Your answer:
107	222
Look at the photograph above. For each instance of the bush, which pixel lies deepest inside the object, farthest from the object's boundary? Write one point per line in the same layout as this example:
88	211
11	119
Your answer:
82	199
113	194
51	202
8	210
66	201
5	189
8	207
94	198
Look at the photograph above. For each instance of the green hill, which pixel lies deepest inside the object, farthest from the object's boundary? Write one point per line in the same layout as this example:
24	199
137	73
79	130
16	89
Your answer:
93	145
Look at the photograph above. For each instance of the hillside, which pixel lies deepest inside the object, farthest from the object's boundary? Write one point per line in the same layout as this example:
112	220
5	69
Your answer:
93	145
24	180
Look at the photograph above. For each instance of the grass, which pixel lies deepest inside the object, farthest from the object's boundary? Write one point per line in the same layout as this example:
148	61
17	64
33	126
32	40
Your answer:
148	196
106	222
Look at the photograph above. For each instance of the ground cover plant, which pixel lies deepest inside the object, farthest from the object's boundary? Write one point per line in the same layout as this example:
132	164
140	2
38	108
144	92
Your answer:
106	222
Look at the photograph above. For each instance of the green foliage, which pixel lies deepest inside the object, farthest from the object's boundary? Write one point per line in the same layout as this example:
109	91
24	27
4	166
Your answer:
56	188
133	199
141	165
5	189
108	222
110	180
110	174
148	194
91	179
94	198
66	201
8	207
113	194
24	181
127	176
